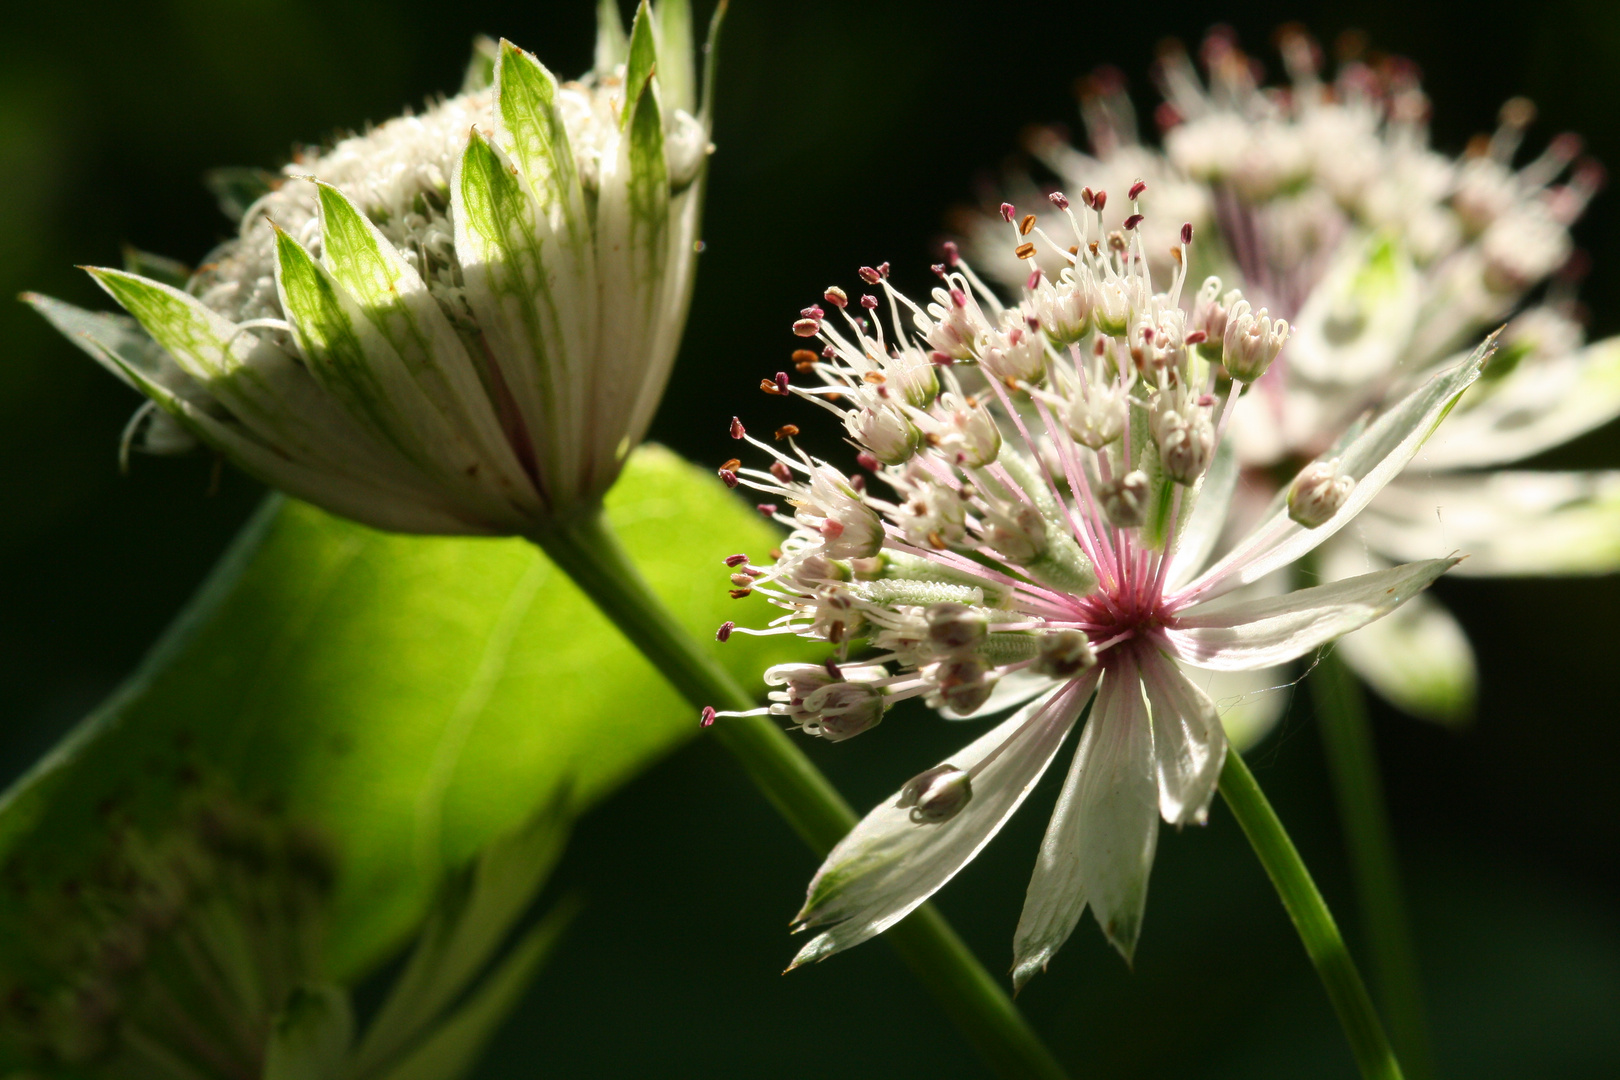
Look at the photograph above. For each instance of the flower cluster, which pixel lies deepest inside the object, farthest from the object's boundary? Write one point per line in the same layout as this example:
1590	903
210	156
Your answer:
456	322
1323	200
1040	487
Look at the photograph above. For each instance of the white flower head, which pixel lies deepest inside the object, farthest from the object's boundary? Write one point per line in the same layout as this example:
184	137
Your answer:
459	321
1047	574
1378	260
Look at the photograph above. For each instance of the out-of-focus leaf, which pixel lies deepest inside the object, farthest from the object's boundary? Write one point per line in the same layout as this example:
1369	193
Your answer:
410	697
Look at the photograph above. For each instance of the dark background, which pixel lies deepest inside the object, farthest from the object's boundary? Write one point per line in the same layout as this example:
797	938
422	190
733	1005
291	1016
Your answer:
846	132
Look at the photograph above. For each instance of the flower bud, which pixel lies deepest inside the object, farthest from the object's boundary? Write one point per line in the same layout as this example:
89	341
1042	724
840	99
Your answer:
1096	414
1318	492
1064	307
886	432
1210	314
1020	535
850	528
1111	307
1251	342
1124	499
953	324
972	432
1014	354
955	627
964	682
936	795
1063	654
1186	443
822	701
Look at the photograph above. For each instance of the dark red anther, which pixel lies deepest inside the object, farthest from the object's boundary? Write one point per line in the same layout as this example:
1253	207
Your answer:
737	429
835	296
867	461
1197	337
1136	191
707	716
1132	222
1206	400
1059	200
1166	116
939	270
1088	197
883	269
780	470
736	560
1034	279
781	382
832	669
868	301
768	509
959	298
941	359
739	593
1099	200
1186	232
807	327
1007	211
729	477
952	256
828	352
858	482
869	275
814	312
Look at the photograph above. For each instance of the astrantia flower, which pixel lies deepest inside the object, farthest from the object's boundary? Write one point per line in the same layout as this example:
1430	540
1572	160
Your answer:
460	321
1042	543
1328	207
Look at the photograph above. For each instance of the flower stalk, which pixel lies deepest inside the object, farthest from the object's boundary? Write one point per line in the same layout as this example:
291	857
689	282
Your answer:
1341	713
586	548
1312	919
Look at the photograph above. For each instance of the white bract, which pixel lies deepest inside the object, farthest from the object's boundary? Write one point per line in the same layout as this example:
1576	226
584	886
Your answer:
1056	564
460	321
1328	208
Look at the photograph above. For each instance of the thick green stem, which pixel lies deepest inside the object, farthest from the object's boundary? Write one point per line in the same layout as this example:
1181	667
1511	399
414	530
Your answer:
1341	713
590	553
1312	920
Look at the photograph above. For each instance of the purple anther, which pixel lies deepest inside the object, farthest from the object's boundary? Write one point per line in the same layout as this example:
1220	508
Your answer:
708	716
736	560
1136	191
869	275
737	429
1007	211
1059	200
1132	222
725	630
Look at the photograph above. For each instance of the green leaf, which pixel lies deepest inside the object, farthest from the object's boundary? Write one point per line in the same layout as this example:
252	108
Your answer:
537	138
476	910
676	73
642	62
310	1036
452	1048
611	45
409	697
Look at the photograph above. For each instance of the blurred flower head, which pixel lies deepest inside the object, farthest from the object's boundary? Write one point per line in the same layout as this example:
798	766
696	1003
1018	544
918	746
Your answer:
1053	482
1323	201
459	321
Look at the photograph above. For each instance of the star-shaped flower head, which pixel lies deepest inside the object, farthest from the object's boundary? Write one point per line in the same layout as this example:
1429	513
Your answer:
1326	204
459	321
1059	480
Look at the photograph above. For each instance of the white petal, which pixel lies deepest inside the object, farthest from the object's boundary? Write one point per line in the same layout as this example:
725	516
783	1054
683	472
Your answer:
1510	523
1189	746
888	864
1373	458
1417	657
1250	702
1099	845
1535	407
1360	317
1230	636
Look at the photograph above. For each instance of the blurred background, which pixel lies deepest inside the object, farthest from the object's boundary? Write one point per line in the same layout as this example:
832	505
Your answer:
847	132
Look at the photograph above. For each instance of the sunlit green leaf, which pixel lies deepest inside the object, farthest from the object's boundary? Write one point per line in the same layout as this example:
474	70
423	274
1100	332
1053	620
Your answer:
410	697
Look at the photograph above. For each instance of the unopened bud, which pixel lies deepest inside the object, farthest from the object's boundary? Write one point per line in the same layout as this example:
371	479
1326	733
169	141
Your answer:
1318	493
936	795
1019	536
886	432
1251	342
1186	444
955	627
1124	499
1063	654
964	682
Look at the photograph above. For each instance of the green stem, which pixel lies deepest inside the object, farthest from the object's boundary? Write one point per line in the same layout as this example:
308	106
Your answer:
590	553
1341	712
1312	920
